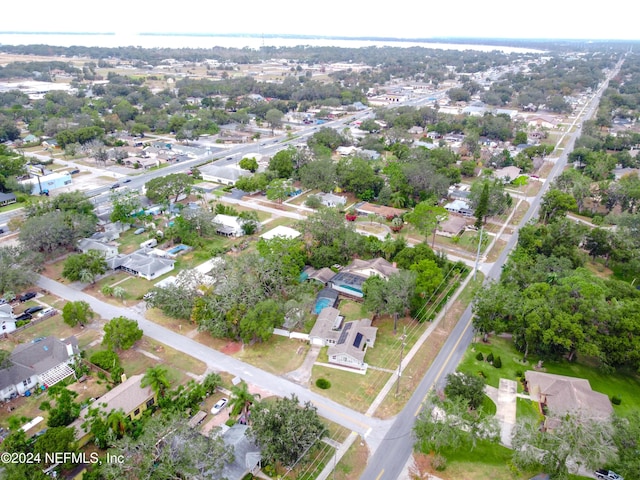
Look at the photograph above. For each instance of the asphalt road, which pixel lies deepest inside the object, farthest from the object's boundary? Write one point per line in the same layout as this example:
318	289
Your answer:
220	362
388	462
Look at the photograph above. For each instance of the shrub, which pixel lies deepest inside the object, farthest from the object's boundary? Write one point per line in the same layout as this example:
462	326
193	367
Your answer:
490	357
482	374
105	359
497	362
323	383
439	462
230	422
616	400
480	357
519	374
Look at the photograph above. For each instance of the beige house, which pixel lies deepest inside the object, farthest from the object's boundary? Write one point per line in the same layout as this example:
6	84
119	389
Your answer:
562	395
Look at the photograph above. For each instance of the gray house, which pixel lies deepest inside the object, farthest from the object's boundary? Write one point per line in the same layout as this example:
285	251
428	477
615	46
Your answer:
45	362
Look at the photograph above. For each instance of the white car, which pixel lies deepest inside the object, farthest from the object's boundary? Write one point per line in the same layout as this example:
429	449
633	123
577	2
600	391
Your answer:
220	404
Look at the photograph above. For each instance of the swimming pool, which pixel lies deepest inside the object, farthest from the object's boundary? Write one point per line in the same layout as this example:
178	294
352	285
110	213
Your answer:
178	248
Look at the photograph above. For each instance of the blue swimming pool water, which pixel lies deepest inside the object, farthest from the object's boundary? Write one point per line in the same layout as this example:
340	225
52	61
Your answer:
178	248
321	304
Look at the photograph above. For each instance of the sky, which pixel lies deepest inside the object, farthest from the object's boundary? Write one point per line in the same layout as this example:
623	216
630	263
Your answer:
349	18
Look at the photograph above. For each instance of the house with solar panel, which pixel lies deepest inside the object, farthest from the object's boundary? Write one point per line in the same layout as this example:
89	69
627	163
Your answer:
347	341
41	363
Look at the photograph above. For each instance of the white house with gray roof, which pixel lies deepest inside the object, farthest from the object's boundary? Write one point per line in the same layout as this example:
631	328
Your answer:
228	175
141	264
44	362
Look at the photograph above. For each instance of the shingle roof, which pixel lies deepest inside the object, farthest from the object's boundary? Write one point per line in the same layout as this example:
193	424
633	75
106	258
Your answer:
30	359
564	394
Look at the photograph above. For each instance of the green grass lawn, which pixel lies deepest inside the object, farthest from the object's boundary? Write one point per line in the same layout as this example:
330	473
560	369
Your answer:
624	384
279	355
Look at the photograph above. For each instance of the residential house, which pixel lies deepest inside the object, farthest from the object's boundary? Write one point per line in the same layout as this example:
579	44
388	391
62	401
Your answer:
246	453
460	207
543	121
44	362
326	330
7	199
130	397
452	226
332	200
281	231
7	319
228	225
416	130
226	175
349	280
346	151
366	208
86	245
141	264
352	343
474	111
562	395
323	275
507	174
369	154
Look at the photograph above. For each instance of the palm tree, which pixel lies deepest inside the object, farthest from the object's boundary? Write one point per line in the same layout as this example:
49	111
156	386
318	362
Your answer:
119	292
118	422
156	378
241	399
398	200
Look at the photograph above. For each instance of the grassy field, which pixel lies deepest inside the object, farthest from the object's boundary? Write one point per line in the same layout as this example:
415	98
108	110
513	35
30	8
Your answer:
279	355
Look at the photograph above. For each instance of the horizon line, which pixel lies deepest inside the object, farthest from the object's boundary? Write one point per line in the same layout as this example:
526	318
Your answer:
323	37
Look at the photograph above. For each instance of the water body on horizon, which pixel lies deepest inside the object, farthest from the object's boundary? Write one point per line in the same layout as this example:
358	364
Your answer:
178	40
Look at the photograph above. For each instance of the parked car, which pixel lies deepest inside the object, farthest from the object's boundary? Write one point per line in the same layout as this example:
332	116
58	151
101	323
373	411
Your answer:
47	312
26	296
114	186
32	310
220	404
24	316
607	475
74	171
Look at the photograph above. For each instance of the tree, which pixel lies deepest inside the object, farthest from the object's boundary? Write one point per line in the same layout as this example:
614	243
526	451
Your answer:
241	399
211	382
556	204
84	266
573	442
498	200
121	333
168	448
55	232
56	439
18	266
319	174
161	189
274	118
259	321
450	425
626	436
286	431
282	163
65	410
79	312
124	206
249	163
483	206
468	387
156	378
426	216
279	190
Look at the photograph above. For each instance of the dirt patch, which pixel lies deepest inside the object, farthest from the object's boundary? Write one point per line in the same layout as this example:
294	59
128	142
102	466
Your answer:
231	348
353	463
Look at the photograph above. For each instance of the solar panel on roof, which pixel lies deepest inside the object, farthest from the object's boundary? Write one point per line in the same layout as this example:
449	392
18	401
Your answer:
344	333
358	340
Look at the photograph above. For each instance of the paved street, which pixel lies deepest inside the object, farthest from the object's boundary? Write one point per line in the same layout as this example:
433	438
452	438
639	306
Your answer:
375	429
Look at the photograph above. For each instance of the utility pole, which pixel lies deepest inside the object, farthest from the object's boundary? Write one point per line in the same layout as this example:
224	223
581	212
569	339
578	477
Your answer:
404	336
475	272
